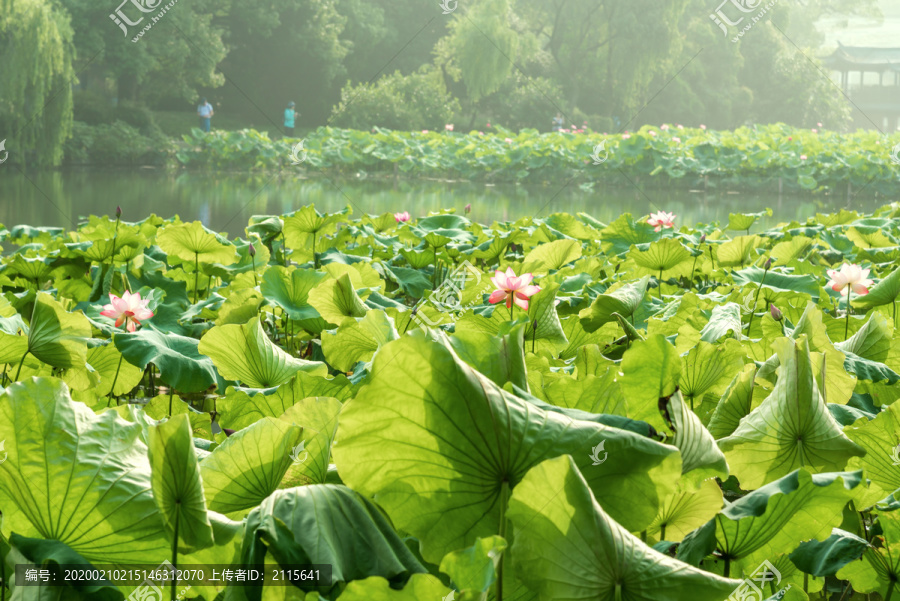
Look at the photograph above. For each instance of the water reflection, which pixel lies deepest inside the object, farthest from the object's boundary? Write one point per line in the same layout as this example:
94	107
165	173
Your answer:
225	201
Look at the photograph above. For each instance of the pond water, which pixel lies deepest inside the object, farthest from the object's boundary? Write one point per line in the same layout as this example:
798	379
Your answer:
225	201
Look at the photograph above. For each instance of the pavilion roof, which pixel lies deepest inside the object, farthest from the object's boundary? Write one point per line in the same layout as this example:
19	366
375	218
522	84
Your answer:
854	58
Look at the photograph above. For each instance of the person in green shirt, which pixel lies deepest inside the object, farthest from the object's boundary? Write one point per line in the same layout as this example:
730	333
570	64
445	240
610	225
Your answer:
290	115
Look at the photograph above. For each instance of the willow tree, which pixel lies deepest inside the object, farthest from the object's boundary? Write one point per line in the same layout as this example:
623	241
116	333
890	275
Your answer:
36	77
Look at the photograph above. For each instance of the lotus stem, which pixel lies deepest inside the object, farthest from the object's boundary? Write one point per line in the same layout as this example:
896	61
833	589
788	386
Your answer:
116	378
504	499
727	569
19	370
756	300
847	323
253	262
660	284
662	532
315	258
284	249
890	591
171	392
196	275
175	552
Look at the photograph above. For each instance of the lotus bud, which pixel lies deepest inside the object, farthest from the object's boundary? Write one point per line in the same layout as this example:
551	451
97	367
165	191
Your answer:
118	212
534	326
702	238
468	208
252	250
776	313
768	265
228	432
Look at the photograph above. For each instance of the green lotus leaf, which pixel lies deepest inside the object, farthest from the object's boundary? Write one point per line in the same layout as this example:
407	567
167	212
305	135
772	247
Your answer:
116	375
551	256
724	319
248	466
827	557
774	281
685	510
794	249
336	300
419	587
777	517
542	309
357	341
180	364
868	237
318	416
474	569
593	394
707	368
624	232
880	438
699	454
625	301
290	291
567	547
191	242
240	307
737	252
879	569
83	481
884	292
735	403
327	524
872	341
175	483
500	358
791	429
51	554
470	437
744	221
164	406
56	337
240	408
244	353
652	369
662	256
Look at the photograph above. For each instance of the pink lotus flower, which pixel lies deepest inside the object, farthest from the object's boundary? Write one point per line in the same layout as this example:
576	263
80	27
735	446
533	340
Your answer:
424	131
677	139
489	125
449	127
129	309
512	289
661	220
401	217
509	140
702	126
680	126
815	131
820	125
664	127
791	139
626	137
803	157
850	276
652	133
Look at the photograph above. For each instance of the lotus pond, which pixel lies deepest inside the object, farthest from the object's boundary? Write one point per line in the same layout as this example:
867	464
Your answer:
684	414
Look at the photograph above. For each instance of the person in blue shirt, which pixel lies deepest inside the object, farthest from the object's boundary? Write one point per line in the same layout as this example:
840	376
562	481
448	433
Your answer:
205	112
290	115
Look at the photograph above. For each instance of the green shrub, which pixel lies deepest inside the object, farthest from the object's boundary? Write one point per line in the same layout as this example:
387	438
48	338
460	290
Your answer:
137	116
92	108
115	144
404	102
